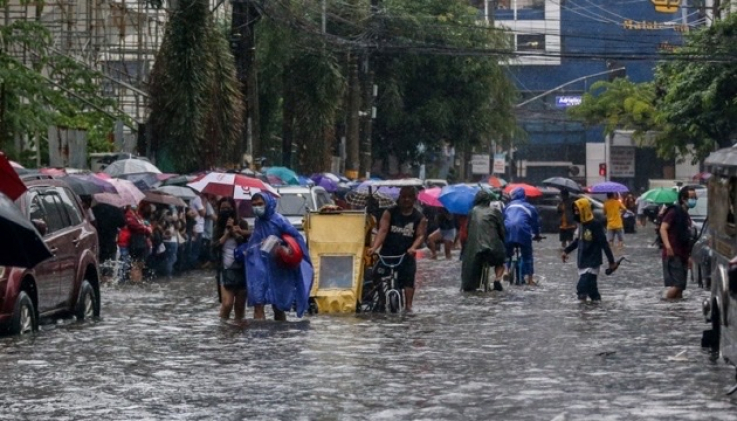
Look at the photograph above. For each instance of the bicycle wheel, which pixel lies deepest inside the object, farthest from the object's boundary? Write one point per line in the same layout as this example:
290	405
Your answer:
512	271
485	278
393	304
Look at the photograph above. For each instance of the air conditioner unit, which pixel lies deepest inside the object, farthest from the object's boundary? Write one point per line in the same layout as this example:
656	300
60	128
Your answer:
577	171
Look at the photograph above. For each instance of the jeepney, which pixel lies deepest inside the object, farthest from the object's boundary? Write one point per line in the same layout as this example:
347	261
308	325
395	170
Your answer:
720	309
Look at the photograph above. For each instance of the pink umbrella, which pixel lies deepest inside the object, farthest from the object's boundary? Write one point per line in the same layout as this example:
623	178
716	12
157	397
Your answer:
128	194
16	165
429	197
237	186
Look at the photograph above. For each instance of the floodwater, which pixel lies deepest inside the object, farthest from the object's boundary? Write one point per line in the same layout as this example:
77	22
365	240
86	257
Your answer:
159	352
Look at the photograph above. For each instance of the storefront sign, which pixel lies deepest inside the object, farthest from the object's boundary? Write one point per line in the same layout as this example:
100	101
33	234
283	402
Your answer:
567	101
621	161
499	163
480	164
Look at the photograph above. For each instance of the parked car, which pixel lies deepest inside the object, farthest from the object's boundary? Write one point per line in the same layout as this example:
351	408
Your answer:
698	214
66	283
702	255
547	208
294	203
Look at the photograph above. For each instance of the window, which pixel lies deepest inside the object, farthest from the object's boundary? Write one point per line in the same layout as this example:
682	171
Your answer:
70	204
322	199
336	272
531	42
51	203
292	204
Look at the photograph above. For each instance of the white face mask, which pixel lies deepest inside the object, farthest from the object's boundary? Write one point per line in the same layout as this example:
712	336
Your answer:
259	210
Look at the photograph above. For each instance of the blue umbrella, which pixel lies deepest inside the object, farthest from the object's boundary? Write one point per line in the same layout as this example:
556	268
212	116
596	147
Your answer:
458	198
285	174
609	187
305	181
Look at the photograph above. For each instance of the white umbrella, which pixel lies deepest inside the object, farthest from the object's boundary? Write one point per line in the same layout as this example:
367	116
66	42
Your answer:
185	193
130	166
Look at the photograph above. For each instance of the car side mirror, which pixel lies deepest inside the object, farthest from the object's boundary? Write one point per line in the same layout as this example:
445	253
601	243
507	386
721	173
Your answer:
41	226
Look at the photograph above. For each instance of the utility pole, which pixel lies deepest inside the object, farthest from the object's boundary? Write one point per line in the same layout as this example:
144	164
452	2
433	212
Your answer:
369	92
353	130
243	44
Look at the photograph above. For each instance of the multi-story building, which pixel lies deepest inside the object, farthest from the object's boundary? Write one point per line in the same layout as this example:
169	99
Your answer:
564	46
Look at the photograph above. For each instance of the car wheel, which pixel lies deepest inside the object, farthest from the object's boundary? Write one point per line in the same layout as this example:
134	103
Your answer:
88	304
24	315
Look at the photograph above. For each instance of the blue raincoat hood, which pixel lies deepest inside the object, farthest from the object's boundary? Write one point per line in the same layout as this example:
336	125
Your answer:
268	282
518	194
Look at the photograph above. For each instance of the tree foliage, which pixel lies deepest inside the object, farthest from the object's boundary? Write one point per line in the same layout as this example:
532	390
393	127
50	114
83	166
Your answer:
196	105
48	89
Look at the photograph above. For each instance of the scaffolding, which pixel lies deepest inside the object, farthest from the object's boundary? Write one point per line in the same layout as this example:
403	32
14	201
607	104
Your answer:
117	38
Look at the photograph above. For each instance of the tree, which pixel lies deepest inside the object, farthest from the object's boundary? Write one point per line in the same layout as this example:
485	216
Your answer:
618	105
195	98
49	89
430	91
698	96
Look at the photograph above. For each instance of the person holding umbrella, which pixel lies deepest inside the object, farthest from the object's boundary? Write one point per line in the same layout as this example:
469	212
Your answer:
522	225
567	224
675	232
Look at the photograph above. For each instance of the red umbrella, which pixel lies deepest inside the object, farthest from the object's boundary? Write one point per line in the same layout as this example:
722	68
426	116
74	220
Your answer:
233	185
10	182
497	182
429	197
530	191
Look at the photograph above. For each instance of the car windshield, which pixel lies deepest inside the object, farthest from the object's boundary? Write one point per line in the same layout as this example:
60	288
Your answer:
700	210
292	204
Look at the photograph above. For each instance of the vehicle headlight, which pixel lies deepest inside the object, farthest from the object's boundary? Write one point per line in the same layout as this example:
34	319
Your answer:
2	272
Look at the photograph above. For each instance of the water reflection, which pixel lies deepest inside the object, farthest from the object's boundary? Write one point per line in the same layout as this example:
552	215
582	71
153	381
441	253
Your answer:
159	352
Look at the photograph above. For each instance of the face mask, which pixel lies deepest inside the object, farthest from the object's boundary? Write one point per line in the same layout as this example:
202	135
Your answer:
225	214
259	210
691	203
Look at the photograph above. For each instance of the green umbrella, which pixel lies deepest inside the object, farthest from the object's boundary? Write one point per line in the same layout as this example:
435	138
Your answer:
660	195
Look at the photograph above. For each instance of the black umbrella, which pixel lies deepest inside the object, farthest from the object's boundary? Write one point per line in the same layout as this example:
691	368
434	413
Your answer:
24	246
563	183
81	186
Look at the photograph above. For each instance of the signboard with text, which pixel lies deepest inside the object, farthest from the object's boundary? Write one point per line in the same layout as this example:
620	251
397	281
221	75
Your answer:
480	164
567	101
499	163
622	161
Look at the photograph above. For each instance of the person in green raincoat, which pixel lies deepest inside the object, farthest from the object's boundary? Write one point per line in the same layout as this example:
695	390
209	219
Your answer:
485	242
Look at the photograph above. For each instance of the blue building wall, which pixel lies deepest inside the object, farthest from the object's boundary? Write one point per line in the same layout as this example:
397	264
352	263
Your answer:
594	38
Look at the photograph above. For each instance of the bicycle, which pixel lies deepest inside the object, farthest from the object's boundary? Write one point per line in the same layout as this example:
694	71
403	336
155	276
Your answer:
384	294
515	264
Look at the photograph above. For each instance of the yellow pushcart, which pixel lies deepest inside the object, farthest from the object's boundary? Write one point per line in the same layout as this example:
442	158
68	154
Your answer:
337	241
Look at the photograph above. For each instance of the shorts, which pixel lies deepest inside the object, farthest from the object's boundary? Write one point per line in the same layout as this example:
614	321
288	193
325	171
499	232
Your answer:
405	272
675	272
566	234
448	235
619	233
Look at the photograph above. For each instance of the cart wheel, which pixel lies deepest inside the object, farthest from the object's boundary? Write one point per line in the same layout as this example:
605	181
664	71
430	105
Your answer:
312	307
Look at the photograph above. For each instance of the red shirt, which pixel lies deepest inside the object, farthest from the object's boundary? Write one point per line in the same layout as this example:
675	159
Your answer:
680	248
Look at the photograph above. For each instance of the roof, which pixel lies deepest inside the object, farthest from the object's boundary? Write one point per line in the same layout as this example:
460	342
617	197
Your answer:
722	162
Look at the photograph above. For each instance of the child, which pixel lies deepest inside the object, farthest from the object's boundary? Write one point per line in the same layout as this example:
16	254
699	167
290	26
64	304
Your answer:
590	243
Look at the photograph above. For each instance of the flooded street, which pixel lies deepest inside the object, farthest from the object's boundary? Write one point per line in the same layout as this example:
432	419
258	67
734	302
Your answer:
160	353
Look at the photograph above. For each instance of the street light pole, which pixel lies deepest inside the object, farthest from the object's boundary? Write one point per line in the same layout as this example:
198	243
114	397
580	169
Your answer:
557	88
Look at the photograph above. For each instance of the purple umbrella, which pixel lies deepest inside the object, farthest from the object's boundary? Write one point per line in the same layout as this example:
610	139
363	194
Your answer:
392	192
609	187
325	182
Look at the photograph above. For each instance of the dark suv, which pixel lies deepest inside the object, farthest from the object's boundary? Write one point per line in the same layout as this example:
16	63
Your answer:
66	283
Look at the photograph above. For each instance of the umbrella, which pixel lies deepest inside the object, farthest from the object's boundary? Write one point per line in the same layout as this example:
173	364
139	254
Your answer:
94	179
328	183
429	197
162	198
27	248
530	191
54	172
184	193
130	166
180	180
16	165
660	195
285	174
562	183
702	176
609	187
458	198
10	183
305	181
233	185
83	186
127	194
145	181
390	191
360	199
497	182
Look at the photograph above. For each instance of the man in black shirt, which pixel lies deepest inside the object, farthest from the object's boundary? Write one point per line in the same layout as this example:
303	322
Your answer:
402	230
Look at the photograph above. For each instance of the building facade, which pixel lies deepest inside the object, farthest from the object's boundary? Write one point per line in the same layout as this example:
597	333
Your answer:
562	47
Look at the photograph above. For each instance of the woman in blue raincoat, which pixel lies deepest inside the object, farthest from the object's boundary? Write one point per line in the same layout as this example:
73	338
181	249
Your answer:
269	282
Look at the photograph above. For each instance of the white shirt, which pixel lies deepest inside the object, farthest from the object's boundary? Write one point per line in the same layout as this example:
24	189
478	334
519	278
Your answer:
197	206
